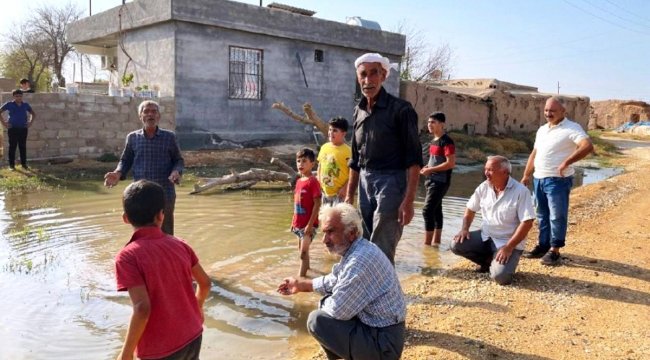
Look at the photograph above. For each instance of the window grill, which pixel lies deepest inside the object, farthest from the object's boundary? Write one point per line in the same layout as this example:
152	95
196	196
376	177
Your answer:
246	78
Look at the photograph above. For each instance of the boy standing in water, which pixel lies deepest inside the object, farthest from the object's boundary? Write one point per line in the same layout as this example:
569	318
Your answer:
307	199
333	157
442	159
157	270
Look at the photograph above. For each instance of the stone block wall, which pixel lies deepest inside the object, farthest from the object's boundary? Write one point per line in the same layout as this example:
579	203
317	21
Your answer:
84	126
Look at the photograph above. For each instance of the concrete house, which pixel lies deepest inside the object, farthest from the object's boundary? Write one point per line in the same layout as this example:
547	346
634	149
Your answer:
225	63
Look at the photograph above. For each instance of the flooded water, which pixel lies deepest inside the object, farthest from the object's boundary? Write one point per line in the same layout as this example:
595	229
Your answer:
58	298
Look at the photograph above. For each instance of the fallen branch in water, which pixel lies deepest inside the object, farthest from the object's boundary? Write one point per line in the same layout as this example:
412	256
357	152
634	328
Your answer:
246	179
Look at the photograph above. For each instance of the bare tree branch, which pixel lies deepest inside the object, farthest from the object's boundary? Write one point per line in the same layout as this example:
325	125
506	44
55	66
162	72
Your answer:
51	22
421	61
310	118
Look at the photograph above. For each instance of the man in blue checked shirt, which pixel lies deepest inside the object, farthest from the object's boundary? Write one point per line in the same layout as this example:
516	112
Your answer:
361	315
153	154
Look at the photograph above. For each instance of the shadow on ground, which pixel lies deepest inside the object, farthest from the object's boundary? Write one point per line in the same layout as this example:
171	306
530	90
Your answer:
466	347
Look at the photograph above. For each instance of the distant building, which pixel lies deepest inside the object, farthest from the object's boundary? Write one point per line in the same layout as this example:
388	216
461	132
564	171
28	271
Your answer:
225	63
610	114
487	106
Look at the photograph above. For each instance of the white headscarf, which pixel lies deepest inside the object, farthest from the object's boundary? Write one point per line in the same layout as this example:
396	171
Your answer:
371	58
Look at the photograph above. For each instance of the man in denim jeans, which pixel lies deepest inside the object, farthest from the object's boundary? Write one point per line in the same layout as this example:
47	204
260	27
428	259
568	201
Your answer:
558	144
386	156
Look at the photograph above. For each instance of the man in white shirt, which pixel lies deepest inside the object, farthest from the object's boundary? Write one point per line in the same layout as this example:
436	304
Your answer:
507	210
558	144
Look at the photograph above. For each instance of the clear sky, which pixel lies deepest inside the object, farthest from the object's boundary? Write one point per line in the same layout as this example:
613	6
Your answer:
597	48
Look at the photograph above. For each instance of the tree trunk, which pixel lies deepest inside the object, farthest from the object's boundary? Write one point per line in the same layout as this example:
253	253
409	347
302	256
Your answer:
253	175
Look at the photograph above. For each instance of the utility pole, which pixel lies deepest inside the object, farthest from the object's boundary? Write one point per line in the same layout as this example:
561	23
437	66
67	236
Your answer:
90	7
260	3
558	88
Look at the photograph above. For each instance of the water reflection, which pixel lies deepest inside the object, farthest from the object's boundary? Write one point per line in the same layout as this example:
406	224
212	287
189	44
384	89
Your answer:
58	290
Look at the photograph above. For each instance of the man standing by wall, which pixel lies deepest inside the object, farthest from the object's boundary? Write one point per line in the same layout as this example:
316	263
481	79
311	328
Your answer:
558	144
386	156
21	117
154	155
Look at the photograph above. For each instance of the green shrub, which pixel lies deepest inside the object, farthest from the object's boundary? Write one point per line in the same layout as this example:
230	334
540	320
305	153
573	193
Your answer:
108	157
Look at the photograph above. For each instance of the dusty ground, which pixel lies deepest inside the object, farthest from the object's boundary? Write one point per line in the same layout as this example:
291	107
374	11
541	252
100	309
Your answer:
595	306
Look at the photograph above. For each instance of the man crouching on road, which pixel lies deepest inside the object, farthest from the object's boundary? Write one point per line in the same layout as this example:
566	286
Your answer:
507	210
362	313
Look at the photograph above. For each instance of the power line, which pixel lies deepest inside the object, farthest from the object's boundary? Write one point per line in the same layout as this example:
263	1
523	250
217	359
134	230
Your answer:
627	11
613	14
604	19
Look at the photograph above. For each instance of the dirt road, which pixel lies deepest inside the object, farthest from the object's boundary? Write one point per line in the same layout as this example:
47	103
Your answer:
595	306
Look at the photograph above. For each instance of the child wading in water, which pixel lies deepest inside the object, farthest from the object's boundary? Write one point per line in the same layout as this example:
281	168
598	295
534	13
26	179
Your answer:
307	199
333	157
442	159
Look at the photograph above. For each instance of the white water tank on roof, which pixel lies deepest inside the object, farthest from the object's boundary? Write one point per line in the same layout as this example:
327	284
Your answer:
358	21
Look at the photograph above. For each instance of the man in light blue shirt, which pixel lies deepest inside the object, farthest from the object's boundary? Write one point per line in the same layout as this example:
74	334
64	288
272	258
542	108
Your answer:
362	313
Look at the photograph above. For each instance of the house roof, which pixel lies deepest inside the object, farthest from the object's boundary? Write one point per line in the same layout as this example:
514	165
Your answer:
484	88
103	30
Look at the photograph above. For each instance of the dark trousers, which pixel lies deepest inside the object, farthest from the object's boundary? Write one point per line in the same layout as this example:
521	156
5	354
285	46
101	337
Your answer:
432	210
190	352
483	253
380	194
168	222
354	340
17	138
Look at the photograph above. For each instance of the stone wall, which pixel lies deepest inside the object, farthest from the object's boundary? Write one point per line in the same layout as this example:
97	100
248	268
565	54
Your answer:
84	126
488	111
7	84
460	110
610	114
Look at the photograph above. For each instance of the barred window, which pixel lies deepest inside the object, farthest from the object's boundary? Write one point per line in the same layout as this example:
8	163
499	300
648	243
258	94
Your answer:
245	73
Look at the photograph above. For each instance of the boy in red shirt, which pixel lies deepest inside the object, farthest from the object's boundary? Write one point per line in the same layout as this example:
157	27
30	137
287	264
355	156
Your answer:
157	270
307	198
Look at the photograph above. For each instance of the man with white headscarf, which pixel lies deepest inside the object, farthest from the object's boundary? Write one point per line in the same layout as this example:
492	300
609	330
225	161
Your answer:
386	156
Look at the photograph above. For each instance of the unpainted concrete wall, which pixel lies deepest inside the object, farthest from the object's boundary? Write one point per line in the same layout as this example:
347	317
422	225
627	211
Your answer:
183	47
83	126
153	54
207	116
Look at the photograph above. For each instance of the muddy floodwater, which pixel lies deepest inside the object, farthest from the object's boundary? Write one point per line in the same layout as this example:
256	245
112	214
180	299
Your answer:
57	288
